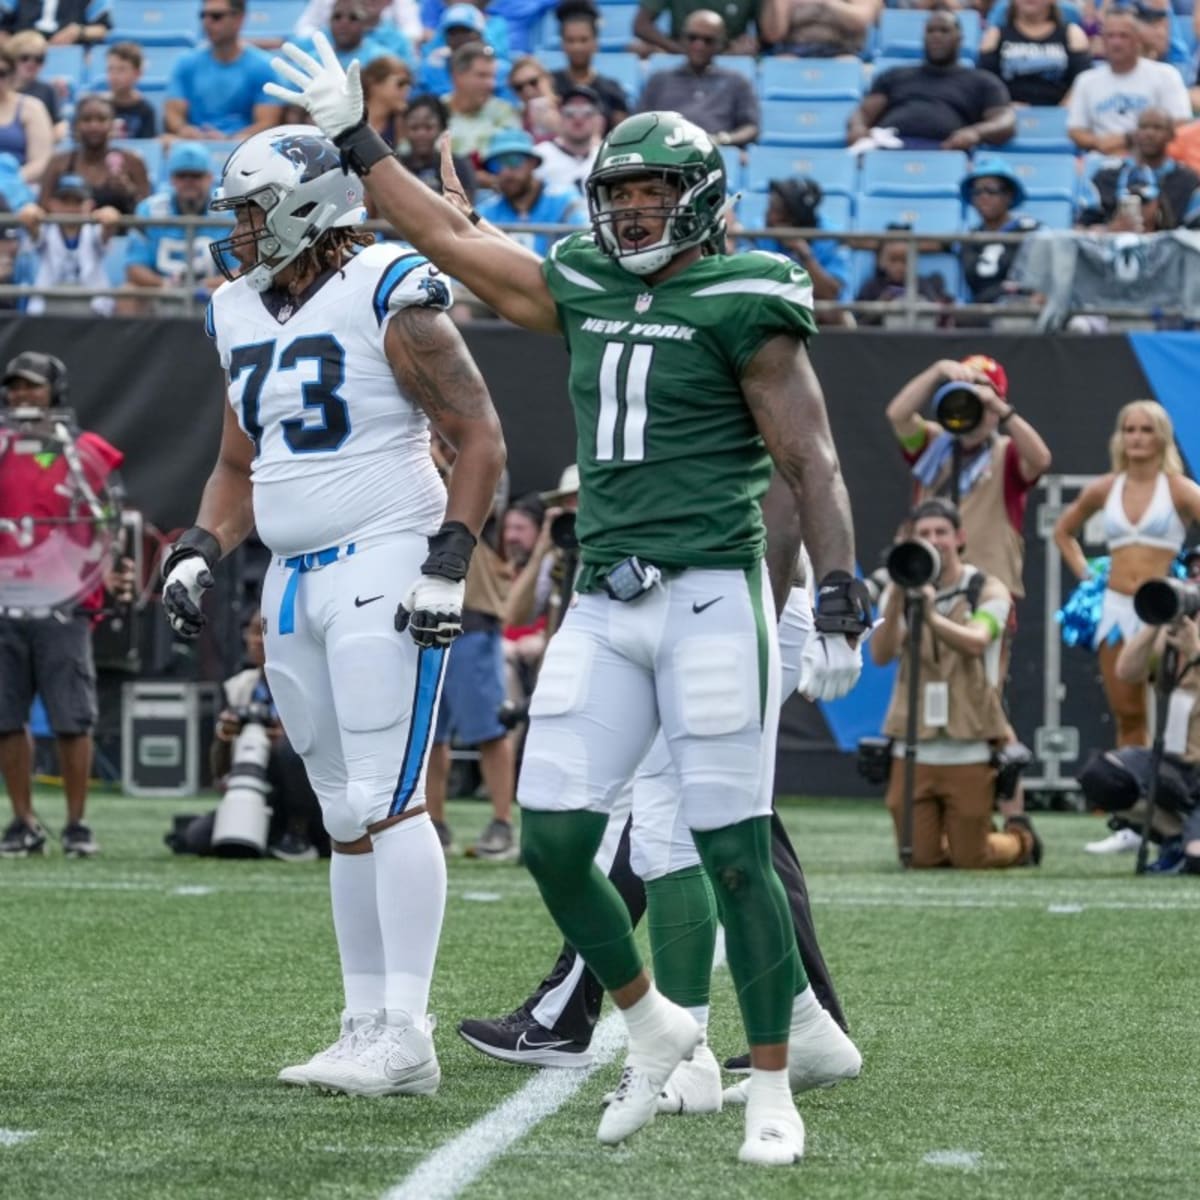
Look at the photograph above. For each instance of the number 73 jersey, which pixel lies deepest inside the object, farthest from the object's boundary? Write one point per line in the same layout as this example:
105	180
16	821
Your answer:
671	464
341	454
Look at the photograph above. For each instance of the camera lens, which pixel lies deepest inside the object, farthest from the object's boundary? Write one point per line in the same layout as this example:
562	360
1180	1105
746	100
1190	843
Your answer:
957	408
913	564
562	531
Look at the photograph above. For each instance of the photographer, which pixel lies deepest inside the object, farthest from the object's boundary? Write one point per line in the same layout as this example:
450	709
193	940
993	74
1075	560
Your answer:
1118	781
295	833
960	721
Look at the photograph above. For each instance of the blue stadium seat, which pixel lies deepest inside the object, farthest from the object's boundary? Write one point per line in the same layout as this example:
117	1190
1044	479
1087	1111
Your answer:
913	173
734	171
810	79
876	213
752	210
272	18
150	151
835	170
805	123
837	212
1054	214
151	23
1046	176
945	264
625	68
556	60
1042	130
218	152
64	62
157	64
902	32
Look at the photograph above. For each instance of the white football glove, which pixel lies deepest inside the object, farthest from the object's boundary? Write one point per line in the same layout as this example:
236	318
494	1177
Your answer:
333	96
183	590
829	666
432	610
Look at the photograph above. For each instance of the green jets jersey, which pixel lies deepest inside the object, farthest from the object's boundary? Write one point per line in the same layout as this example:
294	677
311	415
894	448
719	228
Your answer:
671	465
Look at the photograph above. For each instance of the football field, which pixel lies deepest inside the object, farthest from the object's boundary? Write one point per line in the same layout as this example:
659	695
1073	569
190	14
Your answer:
1029	1034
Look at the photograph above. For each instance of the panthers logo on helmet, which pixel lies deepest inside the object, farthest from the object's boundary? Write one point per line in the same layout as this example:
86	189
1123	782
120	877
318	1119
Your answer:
312	155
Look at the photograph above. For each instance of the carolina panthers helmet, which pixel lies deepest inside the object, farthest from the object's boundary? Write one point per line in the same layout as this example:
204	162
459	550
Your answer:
296	177
667	145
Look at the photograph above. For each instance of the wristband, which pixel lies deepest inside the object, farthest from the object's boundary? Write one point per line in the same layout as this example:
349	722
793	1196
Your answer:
474	217
1006	416
843	605
194	541
449	552
361	148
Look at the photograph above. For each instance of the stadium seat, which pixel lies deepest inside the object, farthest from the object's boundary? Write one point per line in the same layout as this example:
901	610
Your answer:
556	60
625	68
837	212
913	173
902	32
615	32
150	150
64	62
835	170
1042	130
1054	214
740	64
219	152
810	79
272	18
805	123
876	213
165	23
752	210
734	171
157	64
1046	176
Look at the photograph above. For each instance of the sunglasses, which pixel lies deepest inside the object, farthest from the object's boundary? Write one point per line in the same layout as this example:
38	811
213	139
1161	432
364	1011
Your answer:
521	85
37	58
215	14
988	189
509	161
701	37
579	110
346	16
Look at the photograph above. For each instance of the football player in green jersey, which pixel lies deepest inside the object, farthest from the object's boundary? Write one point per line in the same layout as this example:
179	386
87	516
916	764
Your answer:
689	376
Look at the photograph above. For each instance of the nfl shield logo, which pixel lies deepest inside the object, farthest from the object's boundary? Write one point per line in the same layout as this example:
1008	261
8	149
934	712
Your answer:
643	302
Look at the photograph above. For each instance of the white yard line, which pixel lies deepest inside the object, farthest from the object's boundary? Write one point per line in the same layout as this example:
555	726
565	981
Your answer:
453	1167
14	1137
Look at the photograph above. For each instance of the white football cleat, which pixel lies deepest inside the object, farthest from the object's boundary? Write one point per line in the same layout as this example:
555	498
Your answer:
300	1074
1120	841
820	1055
647	1069
385	1060
694	1087
774	1136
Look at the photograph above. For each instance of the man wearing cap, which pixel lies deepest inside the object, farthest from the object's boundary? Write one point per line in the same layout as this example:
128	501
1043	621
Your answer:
476	112
216	92
720	101
567	159
993	189
70	255
349	36
1168	192
158	255
523	198
48	656
459	25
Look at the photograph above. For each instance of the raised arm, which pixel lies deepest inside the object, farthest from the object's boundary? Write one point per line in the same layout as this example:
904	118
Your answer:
504	275
1075	515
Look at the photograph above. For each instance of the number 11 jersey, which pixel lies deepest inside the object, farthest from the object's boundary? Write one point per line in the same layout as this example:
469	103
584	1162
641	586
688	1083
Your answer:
672	467
341	454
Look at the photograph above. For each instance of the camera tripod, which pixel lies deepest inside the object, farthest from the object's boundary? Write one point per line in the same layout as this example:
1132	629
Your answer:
1164	685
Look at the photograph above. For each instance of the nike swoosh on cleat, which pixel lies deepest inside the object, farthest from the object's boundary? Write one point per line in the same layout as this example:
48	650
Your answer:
369	600
523	1043
699	608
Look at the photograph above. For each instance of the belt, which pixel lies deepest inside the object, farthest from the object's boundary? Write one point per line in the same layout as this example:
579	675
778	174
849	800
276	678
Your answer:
301	564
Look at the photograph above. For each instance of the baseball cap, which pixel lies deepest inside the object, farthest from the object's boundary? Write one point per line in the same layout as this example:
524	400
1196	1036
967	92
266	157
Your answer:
568	485
462	16
190	157
582	91
509	141
72	185
32	367
997	375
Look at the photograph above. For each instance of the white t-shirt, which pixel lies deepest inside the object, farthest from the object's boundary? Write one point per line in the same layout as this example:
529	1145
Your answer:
561	171
1103	102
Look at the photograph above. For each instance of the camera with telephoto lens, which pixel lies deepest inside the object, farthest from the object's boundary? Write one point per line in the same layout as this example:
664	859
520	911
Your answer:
512	715
244	816
874	760
913	564
1161	601
958	408
562	531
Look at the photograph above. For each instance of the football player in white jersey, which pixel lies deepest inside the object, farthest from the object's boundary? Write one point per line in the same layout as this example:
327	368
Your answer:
339	354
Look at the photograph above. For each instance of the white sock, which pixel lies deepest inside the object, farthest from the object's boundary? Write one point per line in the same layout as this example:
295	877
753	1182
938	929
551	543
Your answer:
769	1088
410	891
805	1008
645	1017
700	1013
356	926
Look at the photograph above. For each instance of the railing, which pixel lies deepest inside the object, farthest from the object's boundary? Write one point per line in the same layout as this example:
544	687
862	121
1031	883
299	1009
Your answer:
186	297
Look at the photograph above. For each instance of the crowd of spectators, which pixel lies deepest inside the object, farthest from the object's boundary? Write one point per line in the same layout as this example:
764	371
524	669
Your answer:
525	101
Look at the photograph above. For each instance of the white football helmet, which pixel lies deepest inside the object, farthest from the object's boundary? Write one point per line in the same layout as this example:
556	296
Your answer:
296	177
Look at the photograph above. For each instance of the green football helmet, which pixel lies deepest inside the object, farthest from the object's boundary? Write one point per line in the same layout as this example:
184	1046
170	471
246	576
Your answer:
666	145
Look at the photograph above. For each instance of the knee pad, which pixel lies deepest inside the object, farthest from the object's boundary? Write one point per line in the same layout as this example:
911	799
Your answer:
716	692
372	677
292	705
562	681
340	821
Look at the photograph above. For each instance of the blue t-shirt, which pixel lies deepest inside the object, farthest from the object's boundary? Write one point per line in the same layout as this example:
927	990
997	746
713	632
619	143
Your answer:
371	47
550	208
221	95
163	248
832	257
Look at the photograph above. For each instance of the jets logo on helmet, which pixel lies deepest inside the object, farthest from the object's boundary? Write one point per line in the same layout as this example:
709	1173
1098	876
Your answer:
288	186
666	146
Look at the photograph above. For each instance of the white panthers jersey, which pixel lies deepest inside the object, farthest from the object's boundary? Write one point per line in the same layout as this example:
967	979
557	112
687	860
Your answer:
341	455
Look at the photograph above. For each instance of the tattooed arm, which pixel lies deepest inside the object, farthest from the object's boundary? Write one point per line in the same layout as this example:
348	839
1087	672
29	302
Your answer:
435	370
783	394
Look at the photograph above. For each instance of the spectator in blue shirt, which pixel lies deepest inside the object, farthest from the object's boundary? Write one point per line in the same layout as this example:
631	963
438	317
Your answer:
60	22
216	92
523	199
794	203
157	256
494	29
458	25
347	34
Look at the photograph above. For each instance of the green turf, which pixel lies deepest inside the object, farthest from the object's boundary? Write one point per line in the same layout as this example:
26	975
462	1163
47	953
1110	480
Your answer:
149	1000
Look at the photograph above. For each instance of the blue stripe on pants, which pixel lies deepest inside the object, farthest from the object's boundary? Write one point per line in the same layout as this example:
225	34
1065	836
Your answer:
430	662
